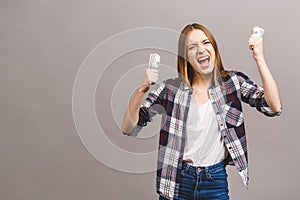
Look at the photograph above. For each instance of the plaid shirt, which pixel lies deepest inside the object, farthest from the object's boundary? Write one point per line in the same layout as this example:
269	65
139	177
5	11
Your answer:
172	99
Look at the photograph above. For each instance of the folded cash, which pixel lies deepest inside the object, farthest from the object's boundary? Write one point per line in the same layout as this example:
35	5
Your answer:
257	31
154	61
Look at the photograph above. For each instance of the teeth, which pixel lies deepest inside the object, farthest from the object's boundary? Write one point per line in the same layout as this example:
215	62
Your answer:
203	59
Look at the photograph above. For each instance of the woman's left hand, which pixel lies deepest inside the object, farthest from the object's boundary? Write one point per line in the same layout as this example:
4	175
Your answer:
255	43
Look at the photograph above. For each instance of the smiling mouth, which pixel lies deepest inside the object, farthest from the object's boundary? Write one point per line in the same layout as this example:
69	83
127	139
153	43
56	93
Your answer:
203	59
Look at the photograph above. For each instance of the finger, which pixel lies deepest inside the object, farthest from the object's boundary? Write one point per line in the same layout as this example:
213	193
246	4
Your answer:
255	39
151	71
152	81
153	78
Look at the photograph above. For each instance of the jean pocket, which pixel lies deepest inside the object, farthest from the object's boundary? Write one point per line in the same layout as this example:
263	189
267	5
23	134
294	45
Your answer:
184	173
218	175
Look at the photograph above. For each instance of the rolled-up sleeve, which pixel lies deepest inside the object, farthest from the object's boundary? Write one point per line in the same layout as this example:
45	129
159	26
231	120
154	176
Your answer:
150	107
254	95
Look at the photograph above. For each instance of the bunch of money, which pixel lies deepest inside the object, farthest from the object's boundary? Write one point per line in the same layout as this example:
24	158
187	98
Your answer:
154	61
257	31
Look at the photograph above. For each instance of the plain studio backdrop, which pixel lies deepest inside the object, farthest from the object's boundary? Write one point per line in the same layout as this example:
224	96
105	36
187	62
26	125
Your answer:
44	44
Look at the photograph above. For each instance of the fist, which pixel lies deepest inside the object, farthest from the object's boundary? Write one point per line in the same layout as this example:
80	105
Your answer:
255	43
150	78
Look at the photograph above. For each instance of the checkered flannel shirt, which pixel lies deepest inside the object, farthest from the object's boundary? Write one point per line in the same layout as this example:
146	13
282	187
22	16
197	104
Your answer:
172	98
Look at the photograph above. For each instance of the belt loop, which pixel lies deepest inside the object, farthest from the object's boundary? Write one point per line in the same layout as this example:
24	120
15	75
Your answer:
187	167
206	170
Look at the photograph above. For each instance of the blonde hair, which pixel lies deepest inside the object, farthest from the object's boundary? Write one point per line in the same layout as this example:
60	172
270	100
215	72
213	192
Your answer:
184	68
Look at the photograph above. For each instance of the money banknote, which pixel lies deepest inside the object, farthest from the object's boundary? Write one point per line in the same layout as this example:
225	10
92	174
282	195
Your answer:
257	31
154	61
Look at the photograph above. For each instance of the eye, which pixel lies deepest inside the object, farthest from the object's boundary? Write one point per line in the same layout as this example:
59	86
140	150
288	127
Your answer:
191	47
206	42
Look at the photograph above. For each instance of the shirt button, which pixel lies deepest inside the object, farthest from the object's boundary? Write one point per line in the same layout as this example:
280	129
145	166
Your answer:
199	169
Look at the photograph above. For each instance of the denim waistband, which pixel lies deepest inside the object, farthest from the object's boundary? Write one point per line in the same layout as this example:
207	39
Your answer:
196	169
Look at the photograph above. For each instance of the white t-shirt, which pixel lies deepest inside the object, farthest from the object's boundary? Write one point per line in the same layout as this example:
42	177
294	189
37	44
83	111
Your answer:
204	144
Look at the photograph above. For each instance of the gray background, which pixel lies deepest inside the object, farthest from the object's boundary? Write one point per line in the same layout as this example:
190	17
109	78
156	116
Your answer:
43	44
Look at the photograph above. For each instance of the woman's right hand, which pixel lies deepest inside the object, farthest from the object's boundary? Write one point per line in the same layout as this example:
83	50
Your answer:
150	78
131	114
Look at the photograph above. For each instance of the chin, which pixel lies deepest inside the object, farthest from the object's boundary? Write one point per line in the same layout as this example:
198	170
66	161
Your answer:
206	71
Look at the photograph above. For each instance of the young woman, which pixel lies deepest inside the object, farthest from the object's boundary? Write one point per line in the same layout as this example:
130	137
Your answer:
202	128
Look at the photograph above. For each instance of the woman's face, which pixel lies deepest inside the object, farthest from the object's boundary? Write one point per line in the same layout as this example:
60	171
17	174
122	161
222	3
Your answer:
200	52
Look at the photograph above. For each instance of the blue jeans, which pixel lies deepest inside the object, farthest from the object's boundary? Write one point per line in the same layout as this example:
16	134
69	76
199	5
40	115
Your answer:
202	182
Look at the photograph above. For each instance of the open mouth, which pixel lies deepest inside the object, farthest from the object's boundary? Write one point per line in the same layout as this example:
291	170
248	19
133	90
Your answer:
203	59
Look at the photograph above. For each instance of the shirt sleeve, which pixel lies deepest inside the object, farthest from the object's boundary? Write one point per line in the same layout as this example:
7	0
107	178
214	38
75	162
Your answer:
151	106
254	95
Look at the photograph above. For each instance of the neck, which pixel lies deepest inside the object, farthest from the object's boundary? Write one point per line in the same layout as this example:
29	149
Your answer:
203	81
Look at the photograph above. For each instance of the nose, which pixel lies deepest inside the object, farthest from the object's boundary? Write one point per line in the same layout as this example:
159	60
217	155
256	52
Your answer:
201	49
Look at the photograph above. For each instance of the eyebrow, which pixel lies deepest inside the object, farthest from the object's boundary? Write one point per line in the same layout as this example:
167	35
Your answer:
205	40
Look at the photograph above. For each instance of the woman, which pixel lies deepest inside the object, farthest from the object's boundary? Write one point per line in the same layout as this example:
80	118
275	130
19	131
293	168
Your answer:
202	127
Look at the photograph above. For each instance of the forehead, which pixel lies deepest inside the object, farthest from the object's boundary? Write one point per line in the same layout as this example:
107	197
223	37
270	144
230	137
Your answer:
196	35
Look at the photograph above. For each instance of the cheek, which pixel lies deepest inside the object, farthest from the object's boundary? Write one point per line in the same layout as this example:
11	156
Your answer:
191	54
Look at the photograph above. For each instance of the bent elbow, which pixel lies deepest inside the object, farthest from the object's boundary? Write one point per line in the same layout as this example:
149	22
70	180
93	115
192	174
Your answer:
276	111
277	108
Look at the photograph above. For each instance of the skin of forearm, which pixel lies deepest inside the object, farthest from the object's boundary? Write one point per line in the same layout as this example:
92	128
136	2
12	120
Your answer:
131	115
271	92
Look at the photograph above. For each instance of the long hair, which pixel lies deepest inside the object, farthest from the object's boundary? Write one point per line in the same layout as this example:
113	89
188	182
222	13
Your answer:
184	68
